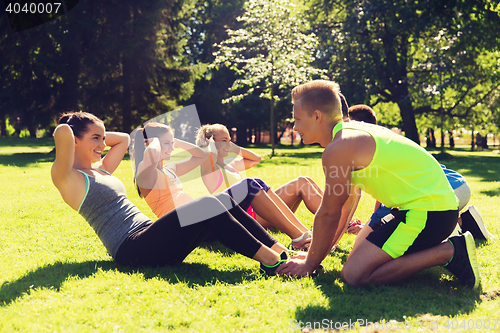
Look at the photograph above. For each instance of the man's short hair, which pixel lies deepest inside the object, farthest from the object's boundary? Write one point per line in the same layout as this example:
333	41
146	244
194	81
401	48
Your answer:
362	112
319	95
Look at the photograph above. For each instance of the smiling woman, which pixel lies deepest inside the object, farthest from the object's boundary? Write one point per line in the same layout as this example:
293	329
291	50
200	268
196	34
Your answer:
85	183
80	141
93	142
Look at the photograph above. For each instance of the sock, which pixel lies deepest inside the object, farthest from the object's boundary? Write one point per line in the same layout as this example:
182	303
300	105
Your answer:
298	239
452	255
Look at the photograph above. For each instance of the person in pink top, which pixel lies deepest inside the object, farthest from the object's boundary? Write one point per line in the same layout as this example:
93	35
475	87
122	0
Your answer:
221	172
160	186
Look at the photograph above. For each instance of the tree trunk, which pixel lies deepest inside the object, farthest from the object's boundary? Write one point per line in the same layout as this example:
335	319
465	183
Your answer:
485	141
452	140
472	141
32	129
442	139
126	95
408	116
431	138
272	119
279	135
241	135
127	61
3	126
71	51
69	95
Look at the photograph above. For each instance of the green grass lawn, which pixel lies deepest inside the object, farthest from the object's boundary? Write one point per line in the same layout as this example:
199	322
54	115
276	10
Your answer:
57	277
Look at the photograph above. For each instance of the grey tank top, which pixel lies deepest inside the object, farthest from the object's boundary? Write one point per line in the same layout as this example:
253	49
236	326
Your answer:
109	212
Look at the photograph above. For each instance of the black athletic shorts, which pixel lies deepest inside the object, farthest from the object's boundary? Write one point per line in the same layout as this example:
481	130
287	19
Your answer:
408	231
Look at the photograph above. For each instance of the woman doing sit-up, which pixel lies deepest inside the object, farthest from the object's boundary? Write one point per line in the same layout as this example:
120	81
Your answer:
221	172
161	187
85	182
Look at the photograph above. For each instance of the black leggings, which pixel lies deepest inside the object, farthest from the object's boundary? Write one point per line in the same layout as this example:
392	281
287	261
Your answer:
166	241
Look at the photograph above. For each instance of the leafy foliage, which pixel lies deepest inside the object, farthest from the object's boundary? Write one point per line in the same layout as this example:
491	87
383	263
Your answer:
122	61
270	49
270	52
398	51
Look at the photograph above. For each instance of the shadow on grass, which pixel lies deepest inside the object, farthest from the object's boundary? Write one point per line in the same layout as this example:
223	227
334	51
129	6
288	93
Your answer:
26	142
430	295
486	168
54	275
491	193
425	295
26	159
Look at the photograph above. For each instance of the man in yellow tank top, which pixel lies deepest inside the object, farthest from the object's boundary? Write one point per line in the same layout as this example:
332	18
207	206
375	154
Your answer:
395	171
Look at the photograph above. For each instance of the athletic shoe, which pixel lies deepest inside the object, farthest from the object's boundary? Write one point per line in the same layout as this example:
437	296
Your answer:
271	270
464	263
299	244
456	232
354	223
472	222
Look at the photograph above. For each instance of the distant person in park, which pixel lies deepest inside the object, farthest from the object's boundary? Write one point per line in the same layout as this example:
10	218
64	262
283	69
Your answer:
222	174
470	220
396	172
84	181
18	127
160	186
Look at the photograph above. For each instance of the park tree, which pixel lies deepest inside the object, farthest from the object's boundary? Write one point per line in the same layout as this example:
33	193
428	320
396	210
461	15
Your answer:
373	54
374	47
122	61
26	78
136	68
206	22
455	74
452	81
271	51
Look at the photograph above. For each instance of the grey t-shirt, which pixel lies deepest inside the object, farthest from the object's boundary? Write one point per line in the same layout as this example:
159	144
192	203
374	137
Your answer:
109	212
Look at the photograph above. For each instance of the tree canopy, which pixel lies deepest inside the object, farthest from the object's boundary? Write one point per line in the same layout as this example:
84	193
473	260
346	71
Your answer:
395	50
122	61
272	51
421	64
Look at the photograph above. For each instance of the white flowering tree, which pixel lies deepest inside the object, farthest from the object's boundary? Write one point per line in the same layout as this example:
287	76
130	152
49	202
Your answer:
270	52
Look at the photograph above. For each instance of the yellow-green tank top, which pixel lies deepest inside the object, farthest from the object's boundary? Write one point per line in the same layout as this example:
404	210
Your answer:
401	174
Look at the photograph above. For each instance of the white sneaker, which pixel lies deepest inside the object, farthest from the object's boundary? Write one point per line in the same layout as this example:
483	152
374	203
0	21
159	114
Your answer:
473	222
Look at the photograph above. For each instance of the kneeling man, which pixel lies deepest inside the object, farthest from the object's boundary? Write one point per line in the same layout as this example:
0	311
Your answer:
395	171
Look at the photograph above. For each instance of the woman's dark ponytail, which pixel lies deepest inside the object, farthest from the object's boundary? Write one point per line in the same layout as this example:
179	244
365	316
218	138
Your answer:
138	149
78	121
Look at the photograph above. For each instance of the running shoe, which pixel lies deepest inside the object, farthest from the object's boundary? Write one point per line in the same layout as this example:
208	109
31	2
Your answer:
472	222
271	270
301	243
354	223
464	262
